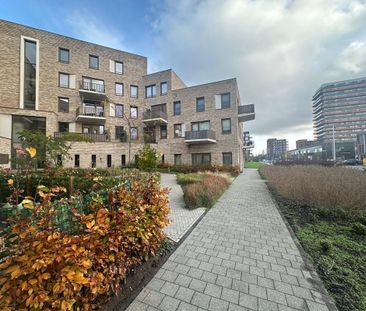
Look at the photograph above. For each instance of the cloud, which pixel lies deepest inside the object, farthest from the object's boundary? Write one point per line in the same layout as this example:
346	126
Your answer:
88	27
280	51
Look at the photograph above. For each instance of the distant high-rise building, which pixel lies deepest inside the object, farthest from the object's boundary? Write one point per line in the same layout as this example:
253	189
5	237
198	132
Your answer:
302	143
276	148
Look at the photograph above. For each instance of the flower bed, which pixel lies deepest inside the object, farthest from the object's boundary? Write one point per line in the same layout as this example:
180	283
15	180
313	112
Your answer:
78	266
202	189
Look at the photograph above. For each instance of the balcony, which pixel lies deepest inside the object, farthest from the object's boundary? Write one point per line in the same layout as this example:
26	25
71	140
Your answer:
83	136
155	117
92	87
94	91
200	137
246	113
92	114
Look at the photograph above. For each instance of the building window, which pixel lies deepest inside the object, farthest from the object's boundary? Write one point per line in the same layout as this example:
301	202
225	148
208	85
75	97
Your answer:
119	110
63	127
119	89
227	158
63	55
93	62
118	67
63	104
120	133
177	130
77	160
123	160
134	133
133	112
200	104
177	159
134	91
177	108
200	126
163	132
93	160
63	79
226	126
201	158
30	74
109	160
163	88
225	100
150	91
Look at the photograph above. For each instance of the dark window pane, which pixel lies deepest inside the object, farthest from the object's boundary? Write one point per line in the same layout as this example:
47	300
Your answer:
30	72
63	104
64	55
227	158
177	130
177	108
225	100
163	131
226	126
151	91
93	62
77	160
200	104
63	127
177	159
109	160
93	160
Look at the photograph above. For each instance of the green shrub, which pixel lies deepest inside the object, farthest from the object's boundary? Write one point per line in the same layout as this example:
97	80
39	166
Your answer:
186	169
359	228
146	158
185	179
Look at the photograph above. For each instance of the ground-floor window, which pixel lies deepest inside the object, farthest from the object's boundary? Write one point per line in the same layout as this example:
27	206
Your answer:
93	160
77	160
109	160
123	160
201	158
227	158
177	159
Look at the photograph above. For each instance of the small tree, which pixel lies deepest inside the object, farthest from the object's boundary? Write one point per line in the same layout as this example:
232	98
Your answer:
147	158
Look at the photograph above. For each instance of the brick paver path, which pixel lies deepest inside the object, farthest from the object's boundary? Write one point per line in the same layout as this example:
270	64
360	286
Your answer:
181	218
241	256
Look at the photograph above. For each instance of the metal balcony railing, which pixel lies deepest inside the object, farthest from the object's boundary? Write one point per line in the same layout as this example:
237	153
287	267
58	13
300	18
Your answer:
246	109
94	87
91	111
83	136
200	135
154	114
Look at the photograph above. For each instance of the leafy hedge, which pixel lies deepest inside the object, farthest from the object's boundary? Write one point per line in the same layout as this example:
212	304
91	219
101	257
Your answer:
77	268
206	192
186	169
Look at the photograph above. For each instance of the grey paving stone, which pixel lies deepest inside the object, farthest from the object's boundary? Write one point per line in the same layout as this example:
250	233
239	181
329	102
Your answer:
224	281
186	307
213	290
155	284
169	304
297	303
209	277
265	305
250	302
276	296
230	295
257	291
153	298
169	289
264	282
197	285
218	305
201	300
183	280
137	306
313	306
169	276
240	286
184	294
233	307
283	287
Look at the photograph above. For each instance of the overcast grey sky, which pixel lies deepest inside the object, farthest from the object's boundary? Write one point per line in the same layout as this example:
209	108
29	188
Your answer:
280	51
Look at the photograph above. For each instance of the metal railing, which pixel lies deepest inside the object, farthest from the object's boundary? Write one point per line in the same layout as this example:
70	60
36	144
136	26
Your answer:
96	111
198	135
246	109
94	87
83	136
154	114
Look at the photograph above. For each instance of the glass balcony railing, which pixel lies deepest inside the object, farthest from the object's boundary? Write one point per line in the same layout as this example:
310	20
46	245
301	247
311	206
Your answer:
200	136
94	87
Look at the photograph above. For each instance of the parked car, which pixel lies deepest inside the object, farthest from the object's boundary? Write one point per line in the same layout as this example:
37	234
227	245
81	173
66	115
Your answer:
351	162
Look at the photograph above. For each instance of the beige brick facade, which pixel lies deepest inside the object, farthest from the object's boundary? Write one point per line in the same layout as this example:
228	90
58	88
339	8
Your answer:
135	74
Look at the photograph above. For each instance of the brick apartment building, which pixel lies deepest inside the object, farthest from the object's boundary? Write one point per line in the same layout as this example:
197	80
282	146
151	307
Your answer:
276	148
58	84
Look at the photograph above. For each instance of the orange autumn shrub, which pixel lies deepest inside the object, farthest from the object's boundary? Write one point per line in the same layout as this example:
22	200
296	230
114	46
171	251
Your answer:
51	269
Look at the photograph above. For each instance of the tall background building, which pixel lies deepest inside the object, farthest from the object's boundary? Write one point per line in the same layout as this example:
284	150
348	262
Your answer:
276	148
340	107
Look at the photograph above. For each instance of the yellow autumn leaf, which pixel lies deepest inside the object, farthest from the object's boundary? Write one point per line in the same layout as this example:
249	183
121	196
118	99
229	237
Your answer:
10	182
32	151
86	263
46	276
90	224
27	203
33	281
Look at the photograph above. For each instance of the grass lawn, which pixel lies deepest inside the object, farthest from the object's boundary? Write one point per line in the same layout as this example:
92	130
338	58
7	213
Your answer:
251	164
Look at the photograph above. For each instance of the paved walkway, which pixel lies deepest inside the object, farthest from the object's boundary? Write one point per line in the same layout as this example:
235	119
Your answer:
240	256
181	218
